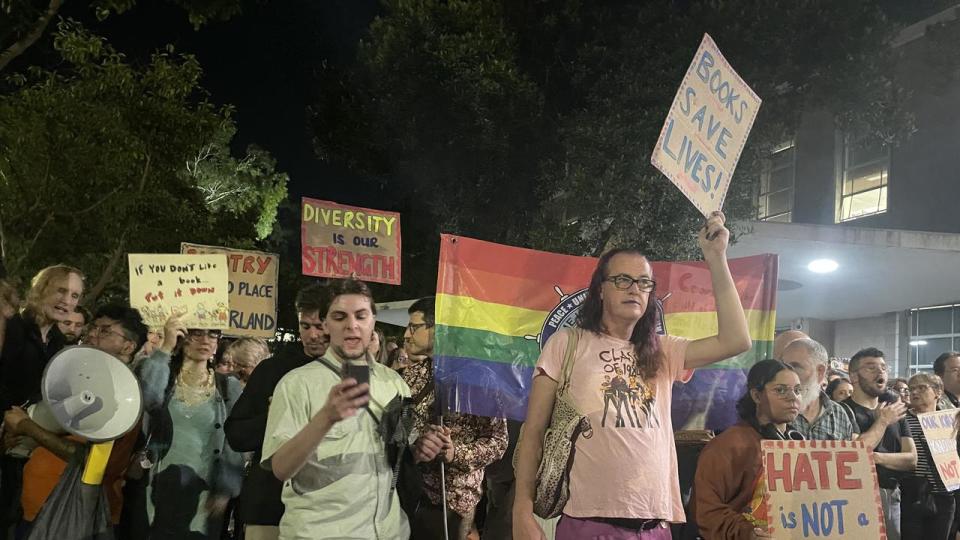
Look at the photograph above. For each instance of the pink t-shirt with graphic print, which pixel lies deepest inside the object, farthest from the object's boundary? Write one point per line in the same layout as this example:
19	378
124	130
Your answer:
627	468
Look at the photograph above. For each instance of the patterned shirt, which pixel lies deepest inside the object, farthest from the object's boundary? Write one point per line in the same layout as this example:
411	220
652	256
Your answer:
926	468
478	441
833	424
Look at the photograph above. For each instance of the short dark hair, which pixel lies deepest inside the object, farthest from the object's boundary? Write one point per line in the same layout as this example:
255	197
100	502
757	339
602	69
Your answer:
834	384
340	287
869	352
940	364
312	298
87	316
427	306
128	318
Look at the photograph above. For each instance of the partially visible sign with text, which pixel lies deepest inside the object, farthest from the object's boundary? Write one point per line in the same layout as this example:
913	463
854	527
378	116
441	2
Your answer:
194	286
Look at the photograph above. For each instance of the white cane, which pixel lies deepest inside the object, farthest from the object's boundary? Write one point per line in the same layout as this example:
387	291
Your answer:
443	490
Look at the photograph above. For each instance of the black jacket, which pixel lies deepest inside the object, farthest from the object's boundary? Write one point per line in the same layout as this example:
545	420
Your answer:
23	359
259	502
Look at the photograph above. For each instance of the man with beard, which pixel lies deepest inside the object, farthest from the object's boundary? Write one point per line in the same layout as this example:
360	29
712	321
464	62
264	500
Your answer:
893	447
76	321
323	438
820	417
259	503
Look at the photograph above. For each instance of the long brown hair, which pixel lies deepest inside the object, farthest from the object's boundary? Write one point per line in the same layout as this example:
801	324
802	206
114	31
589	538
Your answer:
646	344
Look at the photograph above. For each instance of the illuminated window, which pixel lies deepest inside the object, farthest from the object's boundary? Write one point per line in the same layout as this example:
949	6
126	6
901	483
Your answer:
933	331
776	185
864	170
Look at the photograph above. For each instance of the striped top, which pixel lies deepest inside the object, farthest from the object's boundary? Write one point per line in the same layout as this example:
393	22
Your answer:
926	468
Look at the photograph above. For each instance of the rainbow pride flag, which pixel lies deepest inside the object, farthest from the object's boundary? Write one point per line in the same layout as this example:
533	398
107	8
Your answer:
497	305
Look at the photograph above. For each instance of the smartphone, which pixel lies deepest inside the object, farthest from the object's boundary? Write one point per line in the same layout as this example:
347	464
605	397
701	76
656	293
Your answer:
357	369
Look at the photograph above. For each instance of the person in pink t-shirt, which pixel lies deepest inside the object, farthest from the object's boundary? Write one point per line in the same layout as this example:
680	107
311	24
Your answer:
623	483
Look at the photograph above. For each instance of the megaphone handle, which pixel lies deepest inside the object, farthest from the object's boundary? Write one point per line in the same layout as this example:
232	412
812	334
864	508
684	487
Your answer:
96	464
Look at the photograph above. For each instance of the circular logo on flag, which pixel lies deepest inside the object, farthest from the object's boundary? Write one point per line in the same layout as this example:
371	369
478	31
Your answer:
564	315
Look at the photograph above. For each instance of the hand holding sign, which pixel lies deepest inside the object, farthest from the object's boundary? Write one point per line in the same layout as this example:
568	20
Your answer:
714	237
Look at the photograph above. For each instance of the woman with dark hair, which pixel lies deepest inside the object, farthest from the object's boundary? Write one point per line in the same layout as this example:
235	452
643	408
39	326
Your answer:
624	478
727	488
193	470
839	389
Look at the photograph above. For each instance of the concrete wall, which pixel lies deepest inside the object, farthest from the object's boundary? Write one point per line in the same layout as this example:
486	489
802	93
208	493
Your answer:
883	332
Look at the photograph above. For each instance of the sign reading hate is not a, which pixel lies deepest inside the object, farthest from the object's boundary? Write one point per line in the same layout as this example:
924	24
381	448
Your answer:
252	289
192	285
706	129
821	489
339	241
940	430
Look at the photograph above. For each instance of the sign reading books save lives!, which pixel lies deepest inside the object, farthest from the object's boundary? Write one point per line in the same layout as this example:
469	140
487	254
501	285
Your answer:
194	286
706	128
339	241
252	289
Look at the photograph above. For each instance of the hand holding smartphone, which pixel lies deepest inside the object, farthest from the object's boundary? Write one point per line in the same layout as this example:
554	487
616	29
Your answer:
357	369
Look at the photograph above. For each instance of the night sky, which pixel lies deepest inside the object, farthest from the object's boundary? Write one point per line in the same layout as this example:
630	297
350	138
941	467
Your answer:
262	62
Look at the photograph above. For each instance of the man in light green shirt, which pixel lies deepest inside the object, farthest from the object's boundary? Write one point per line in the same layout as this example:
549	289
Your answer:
322	437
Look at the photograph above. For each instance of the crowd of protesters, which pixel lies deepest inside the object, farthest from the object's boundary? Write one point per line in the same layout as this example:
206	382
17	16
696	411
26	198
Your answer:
240	438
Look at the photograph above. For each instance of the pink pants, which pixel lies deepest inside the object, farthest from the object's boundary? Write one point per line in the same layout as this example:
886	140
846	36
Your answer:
571	528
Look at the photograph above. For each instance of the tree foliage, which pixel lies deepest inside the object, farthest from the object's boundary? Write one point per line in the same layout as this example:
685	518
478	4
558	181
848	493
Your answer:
532	122
100	158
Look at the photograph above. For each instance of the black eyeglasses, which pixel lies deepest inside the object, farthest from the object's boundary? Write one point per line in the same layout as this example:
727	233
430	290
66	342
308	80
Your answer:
413	327
624	282
200	334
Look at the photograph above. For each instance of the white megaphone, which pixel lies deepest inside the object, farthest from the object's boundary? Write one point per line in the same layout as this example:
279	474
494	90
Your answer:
92	395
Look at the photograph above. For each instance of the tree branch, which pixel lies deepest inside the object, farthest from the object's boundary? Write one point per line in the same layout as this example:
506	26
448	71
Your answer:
26	252
32	36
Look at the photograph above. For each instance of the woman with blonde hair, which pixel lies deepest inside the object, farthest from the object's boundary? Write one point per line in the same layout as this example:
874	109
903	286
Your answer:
28	340
247	353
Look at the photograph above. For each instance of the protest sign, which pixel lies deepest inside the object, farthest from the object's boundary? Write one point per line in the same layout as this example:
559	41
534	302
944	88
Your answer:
940	430
194	285
821	489
338	241
706	128
252	289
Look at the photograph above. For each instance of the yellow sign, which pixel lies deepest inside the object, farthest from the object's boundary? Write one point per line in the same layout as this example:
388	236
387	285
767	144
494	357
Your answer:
195	285
821	489
706	128
339	241
252	289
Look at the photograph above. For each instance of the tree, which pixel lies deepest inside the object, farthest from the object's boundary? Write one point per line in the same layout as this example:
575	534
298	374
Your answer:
532	122
25	21
94	163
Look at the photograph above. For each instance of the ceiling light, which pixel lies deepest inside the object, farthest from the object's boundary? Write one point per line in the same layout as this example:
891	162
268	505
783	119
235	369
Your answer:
823	266
917	343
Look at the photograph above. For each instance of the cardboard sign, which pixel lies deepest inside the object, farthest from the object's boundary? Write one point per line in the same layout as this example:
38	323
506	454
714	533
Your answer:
252	289
706	128
940	430
821	489
338	241
195	285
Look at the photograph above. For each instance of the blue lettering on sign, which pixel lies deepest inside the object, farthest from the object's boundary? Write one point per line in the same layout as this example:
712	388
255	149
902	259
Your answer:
819	519
723	90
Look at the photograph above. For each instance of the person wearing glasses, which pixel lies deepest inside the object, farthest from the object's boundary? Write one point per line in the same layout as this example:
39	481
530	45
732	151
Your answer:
883	428
727	487
928	507
947	367
193	471
118	331
624	480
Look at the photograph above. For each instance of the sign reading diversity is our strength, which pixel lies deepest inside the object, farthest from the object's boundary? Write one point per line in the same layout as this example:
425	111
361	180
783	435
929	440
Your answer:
497	306
338	241
194	286
706	129
821	489
252	289
940	430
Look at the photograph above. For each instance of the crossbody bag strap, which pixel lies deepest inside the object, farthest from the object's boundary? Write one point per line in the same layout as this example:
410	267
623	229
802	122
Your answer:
569	357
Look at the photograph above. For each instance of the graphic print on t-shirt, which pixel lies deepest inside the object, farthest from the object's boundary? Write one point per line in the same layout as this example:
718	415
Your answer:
626	398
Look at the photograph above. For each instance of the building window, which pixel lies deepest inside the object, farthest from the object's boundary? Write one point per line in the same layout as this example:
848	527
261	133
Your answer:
776	185
933	331
864	170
